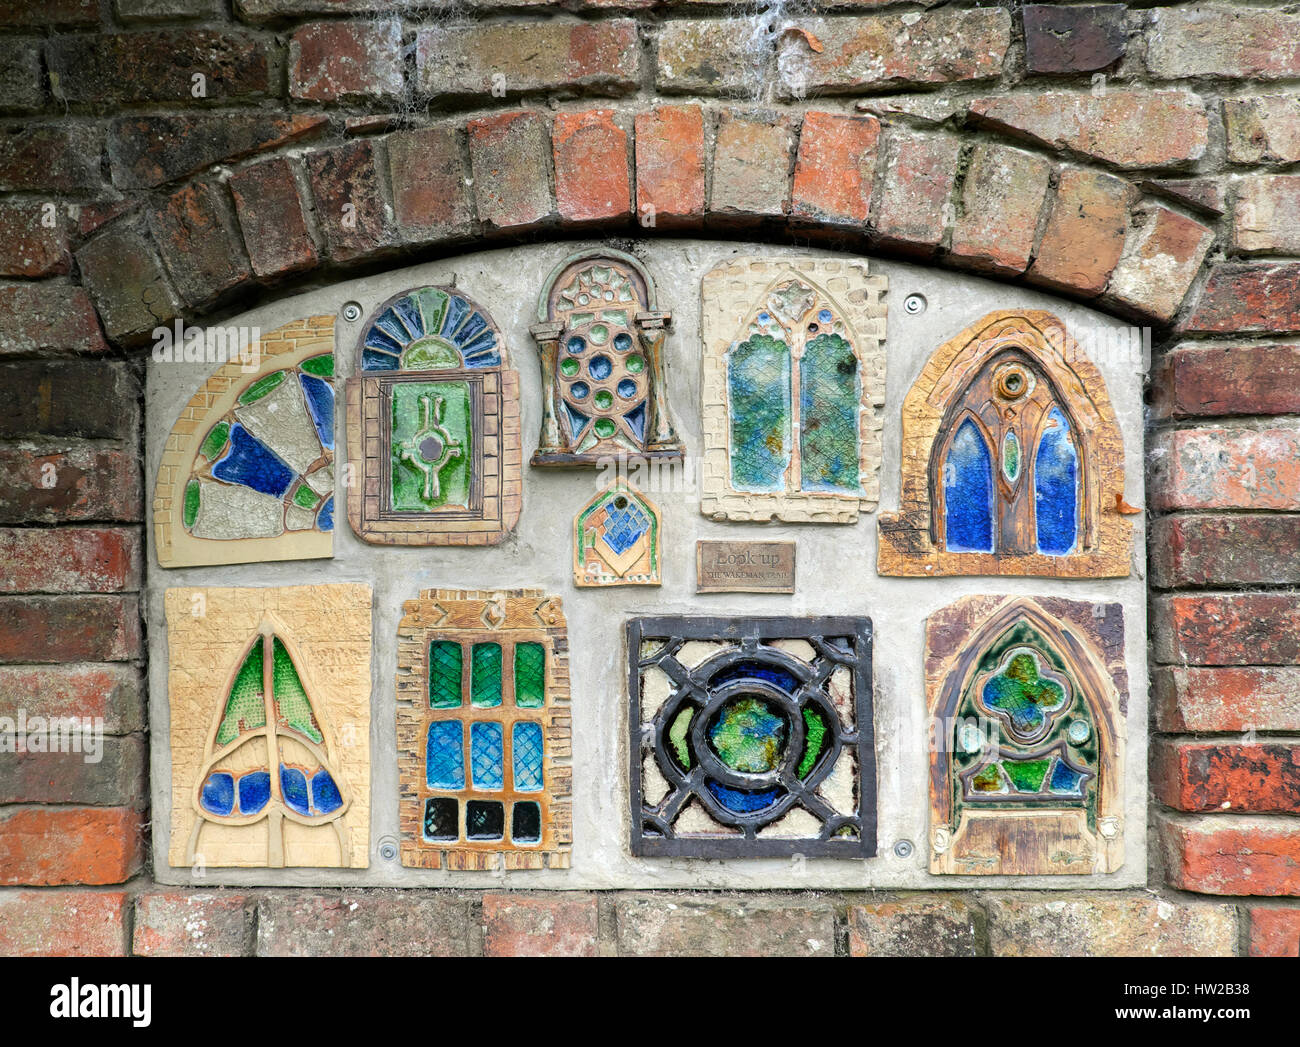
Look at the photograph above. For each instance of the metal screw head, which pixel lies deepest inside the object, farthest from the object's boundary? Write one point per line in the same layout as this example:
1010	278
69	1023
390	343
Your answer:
388	851
351	312
914	304
903	849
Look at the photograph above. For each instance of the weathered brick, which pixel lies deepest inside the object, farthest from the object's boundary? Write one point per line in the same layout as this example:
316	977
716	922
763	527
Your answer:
380	923
179	923
41	629
264	10
110	692
51	846
1108	925
670	166
1194	698
878	51
199	241
1230	854
57	158
544	925
751	167
432	197
1274	932
350	206
916	926
273	219
147	151
1223	40
835	169
998	208
1224	379
1212	550
70	560
709	56
163	10
1227	629
1266	219
1226	469
510	155
1084	235
480	61
48	398
22	84
1263	130
660	925
42	13
592	181
86	483
347	61
1241	297
109	772
917	183
63	923
1258	778
157	65
1162	255
1203	194
1124	128
1073	39
33	240
48	319
125	277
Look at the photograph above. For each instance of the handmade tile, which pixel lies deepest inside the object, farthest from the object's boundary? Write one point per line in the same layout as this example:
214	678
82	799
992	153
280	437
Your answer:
269	692
1026	700
794	378
1012	460
600	334
483	731
751	737
616	539
247	472
433	425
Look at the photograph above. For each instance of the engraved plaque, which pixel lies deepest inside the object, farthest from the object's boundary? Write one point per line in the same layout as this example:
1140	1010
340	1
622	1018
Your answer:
744	567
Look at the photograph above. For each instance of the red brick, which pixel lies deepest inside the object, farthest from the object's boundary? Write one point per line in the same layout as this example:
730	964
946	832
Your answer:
1124	128
48	319
40	629
592	182
835	169
1266	218
1073	39
147	151
1107	923
125	276
432	197
105	772
1230	854
1263	130
918	181
179	923
1228	629
42	13
63	923
70	560
22	81
49	846
1223	379
712	56
360	923
273	219
1226	469
112	693
33	240
1247	296
56	158
1192	698
163	10
350	207
670	166
546	925
1202	194
1228	41
199	242
1084	235
89	483
915	926
347	61
998	208
1211	550
716	925
510	154
1259	778
1162	256
751	167
1275	932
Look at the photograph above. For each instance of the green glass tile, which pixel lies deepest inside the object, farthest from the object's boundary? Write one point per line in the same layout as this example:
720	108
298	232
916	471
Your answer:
530	675
432	446
829	403
1026	775
988	780
635	363
433	307
814	741
431	353
748	736
485	674
1011	457
758	385
262	386
192	497
245	707
305	497
677	736
290	695
604	428
569	367
215	441
321	366
445	662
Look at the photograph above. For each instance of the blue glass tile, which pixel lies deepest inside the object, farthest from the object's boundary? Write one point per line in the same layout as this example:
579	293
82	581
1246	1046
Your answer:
623	342
1056	488
325	518
482	351
577	422
293	786
600	367
444	755
320	403
218	793
371	360
825	316
472	328
575	345
758	389
457	309
754	670
635	419
254	792
325	793
579	390
390	324
487	755
624	527
377	339
740	801
968	492
1065	782
627	388
527	741
248	463
410	314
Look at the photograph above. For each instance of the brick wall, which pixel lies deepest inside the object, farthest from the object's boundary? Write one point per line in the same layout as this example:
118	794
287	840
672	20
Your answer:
167	158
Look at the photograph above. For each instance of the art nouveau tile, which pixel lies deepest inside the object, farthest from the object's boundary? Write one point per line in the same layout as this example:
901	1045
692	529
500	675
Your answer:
616	539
